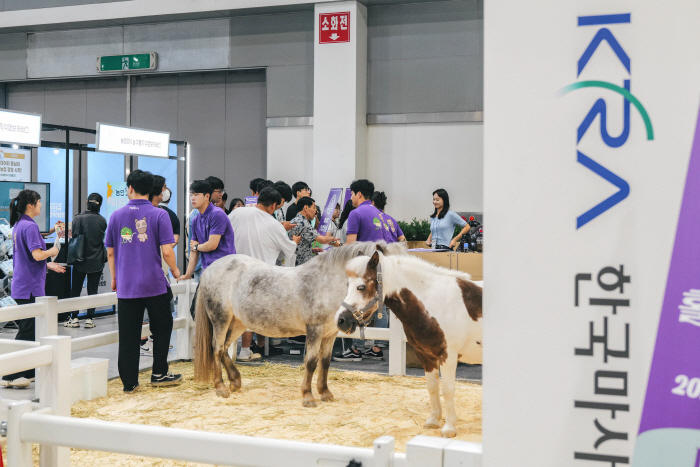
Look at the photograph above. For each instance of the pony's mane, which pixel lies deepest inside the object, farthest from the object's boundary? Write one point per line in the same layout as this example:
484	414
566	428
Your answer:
359	264
347	252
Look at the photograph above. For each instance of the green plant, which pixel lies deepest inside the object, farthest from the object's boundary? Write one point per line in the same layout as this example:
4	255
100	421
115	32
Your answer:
415	230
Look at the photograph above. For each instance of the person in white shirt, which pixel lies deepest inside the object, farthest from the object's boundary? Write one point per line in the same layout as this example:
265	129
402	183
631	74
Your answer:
258	234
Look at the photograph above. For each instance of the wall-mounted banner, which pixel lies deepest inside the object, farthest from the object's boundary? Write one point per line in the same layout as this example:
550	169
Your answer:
134	141
116	197
327	214
20	128
592	116
15	165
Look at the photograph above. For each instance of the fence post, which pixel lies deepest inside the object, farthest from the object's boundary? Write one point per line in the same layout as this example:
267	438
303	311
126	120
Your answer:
19	454
184	335
46	325
384	451
56	394
397	346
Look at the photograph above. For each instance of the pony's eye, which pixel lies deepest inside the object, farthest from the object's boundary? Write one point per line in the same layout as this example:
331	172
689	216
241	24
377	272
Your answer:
361	287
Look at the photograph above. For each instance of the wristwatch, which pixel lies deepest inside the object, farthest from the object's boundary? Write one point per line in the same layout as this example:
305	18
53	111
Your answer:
196	247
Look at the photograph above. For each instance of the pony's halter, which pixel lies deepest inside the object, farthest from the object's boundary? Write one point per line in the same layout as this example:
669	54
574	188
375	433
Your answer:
378	298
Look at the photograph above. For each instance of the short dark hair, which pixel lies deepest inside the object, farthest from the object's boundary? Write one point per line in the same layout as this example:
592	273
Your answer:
379	200
201	186
445	203
345	213
269	196
158	184
234	202
284	190
363	186
94	202
254	184
297	187
262	184
225	197
216	183
305	201
140	181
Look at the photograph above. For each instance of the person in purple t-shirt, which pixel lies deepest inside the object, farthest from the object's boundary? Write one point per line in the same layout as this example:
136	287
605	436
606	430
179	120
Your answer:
368	223
136	234
29	264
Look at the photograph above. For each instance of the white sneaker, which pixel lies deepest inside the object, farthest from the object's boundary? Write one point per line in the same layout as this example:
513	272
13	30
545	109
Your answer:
89	323
246	355
72	323
16	383
147	348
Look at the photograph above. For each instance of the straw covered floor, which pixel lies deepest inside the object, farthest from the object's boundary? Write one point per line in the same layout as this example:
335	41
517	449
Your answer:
269	405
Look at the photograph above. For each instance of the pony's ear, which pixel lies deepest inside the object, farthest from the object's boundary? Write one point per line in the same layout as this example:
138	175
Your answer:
373	261
381	249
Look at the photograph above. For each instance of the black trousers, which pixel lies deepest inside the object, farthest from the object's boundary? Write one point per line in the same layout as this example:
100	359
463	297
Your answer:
93	281
130	315
25	333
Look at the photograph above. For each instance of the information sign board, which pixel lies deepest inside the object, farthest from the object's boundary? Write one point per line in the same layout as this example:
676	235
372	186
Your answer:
15	165
333	27
20	128
134	141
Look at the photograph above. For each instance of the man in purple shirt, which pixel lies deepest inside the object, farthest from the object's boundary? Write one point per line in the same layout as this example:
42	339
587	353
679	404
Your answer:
212	234
366	223
136	234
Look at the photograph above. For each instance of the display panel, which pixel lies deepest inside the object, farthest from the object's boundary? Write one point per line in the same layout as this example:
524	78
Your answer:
10	190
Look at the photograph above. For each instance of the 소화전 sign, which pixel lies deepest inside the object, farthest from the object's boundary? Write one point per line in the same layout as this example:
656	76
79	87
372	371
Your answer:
107	63
333	27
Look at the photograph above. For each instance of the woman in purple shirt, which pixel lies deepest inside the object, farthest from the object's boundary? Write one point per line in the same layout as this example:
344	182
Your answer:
29	264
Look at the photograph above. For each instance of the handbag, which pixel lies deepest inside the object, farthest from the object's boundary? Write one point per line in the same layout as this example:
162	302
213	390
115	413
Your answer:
76	249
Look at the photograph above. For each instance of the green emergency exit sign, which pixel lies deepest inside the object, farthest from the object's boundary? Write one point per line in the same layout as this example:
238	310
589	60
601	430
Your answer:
129	62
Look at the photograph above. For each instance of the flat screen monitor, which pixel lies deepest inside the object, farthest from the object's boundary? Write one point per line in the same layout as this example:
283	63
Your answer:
9	190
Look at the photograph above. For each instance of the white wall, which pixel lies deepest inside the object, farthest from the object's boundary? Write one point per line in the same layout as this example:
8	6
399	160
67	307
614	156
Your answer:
407	162
290	154
410	161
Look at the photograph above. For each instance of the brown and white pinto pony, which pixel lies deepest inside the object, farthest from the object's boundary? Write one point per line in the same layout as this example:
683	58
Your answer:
440	311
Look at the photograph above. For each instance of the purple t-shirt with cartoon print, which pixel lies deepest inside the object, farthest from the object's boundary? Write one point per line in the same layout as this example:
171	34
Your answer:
214	221
29	276
136	232
372	225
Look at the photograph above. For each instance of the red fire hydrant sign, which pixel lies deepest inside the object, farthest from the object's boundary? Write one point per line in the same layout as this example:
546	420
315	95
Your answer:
333	27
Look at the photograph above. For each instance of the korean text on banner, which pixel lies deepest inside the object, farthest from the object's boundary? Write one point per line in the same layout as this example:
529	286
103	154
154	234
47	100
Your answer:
126	140
327	214
251	201
20	128
604	150
15	165
116	197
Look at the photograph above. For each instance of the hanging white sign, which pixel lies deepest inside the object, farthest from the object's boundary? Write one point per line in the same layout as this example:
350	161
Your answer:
20	128
133	141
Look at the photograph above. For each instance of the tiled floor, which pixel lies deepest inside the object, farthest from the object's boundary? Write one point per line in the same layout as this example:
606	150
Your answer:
109	323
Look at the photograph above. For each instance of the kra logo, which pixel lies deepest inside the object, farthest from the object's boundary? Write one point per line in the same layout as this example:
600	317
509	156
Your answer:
600	109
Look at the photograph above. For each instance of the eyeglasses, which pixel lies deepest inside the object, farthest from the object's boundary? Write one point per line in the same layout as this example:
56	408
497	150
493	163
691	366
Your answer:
219	191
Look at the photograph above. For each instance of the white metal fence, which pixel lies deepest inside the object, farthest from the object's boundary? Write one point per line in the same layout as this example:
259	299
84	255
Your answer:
49	424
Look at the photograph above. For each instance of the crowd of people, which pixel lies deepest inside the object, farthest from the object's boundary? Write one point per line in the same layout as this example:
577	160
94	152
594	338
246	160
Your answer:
139	244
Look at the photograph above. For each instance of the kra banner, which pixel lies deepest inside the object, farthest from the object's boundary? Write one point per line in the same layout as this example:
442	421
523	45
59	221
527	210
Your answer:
592	331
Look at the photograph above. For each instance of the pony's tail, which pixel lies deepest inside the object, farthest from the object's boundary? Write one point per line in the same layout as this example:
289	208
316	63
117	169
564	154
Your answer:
203	351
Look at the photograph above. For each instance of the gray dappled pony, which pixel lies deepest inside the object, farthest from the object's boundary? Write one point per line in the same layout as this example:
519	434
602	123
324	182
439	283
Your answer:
239	292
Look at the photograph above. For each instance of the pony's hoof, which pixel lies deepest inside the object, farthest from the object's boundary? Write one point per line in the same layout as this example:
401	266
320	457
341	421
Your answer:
432	423
223	392
309	403
327	397
234	388
449	433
